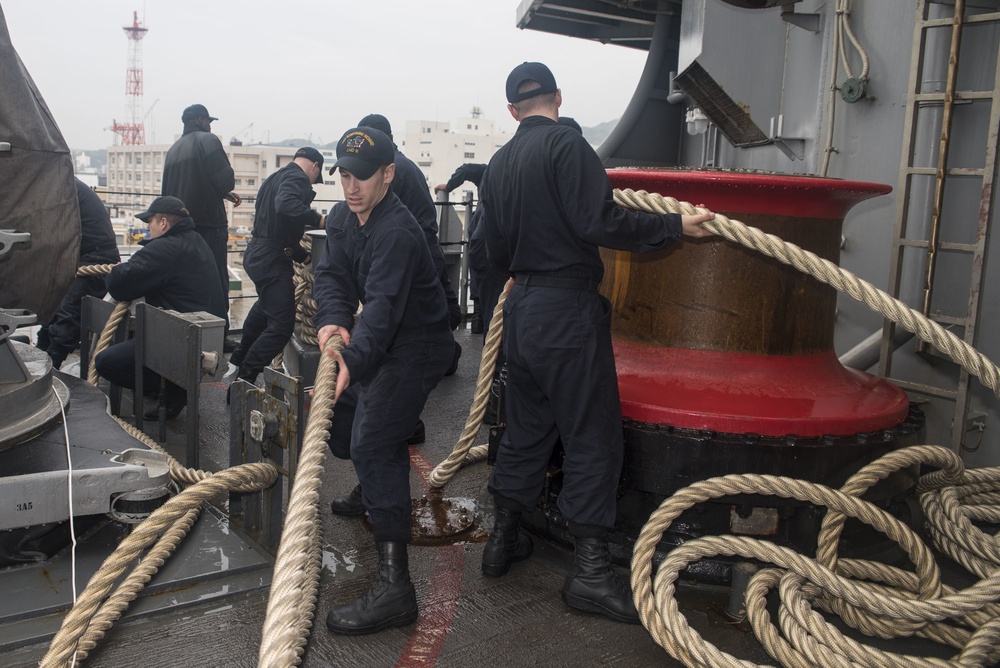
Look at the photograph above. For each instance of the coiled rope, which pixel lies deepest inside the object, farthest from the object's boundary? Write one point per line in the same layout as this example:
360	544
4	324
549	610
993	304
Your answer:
877	599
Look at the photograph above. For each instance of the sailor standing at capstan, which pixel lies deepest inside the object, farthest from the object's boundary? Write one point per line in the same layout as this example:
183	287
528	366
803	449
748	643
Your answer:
548	207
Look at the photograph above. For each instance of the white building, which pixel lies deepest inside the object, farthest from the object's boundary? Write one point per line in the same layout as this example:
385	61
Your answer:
438	148
135	172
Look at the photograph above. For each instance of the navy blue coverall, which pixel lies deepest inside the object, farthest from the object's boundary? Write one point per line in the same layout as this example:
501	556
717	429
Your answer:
196	170
548	206
410	186
399	350
282	214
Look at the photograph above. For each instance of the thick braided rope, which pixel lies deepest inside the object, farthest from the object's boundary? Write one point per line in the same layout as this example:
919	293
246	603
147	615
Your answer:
178	472
950	511
108	333
305	305
127	591
292	602
461	454
93	270
827	272
243	478
914	603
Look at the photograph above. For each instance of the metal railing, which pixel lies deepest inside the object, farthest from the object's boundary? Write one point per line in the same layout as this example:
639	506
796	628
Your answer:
452	232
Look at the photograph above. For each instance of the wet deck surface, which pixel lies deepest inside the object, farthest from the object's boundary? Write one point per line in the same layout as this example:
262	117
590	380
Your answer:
466	619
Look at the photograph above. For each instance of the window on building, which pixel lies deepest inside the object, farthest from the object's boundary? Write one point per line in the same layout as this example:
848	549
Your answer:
113	158
251	182
263	164
130	176
130	158
468	126
138	159
239	182
470	155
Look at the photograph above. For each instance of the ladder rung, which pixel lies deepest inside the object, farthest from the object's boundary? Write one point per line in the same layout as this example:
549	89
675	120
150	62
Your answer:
942	245
974	18
958	247
942	319
925	389
954	171
959	96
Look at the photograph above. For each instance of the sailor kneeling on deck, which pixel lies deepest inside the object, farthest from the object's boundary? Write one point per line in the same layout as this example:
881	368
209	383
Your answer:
400	348
173	270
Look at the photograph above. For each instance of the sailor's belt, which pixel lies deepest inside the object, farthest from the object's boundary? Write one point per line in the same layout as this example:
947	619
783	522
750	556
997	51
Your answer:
565	282
271	243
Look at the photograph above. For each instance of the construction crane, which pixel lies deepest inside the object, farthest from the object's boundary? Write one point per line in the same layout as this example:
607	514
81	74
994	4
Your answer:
237	139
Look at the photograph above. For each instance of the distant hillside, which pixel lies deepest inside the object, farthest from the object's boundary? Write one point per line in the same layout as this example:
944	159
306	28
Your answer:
598	133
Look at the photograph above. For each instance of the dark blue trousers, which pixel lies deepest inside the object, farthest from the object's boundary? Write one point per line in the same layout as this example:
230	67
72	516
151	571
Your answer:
117	364
373	419
441	267
217	239
61	335
269	325
561	384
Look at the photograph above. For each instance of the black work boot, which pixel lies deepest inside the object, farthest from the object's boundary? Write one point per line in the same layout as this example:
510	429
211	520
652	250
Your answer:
419	434
477	318
174	400
594	587
391	601
349	505
454	362
236	359
505	545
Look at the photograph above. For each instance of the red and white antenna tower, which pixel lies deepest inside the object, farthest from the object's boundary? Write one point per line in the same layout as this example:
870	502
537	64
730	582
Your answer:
132	132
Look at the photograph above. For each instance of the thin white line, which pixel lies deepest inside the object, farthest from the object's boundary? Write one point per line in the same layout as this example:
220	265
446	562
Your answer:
69	499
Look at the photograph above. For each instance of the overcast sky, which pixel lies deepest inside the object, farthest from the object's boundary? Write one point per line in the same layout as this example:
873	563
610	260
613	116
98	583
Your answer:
301	68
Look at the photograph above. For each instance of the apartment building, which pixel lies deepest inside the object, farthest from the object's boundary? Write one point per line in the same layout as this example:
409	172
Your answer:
136	172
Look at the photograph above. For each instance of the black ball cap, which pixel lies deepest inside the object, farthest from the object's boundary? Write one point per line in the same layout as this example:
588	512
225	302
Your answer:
526	72
362	150
377	121
196	111
312	155
165	204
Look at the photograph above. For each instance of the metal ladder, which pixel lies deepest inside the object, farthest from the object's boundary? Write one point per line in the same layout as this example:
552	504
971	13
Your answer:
905	221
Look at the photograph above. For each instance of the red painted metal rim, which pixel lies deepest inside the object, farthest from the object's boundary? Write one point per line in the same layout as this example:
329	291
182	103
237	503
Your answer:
770	395
731	192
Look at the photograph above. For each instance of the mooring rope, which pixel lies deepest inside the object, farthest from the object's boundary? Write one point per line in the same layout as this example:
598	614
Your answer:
877	599
95	611
171	518
292	603
464	452
827	272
